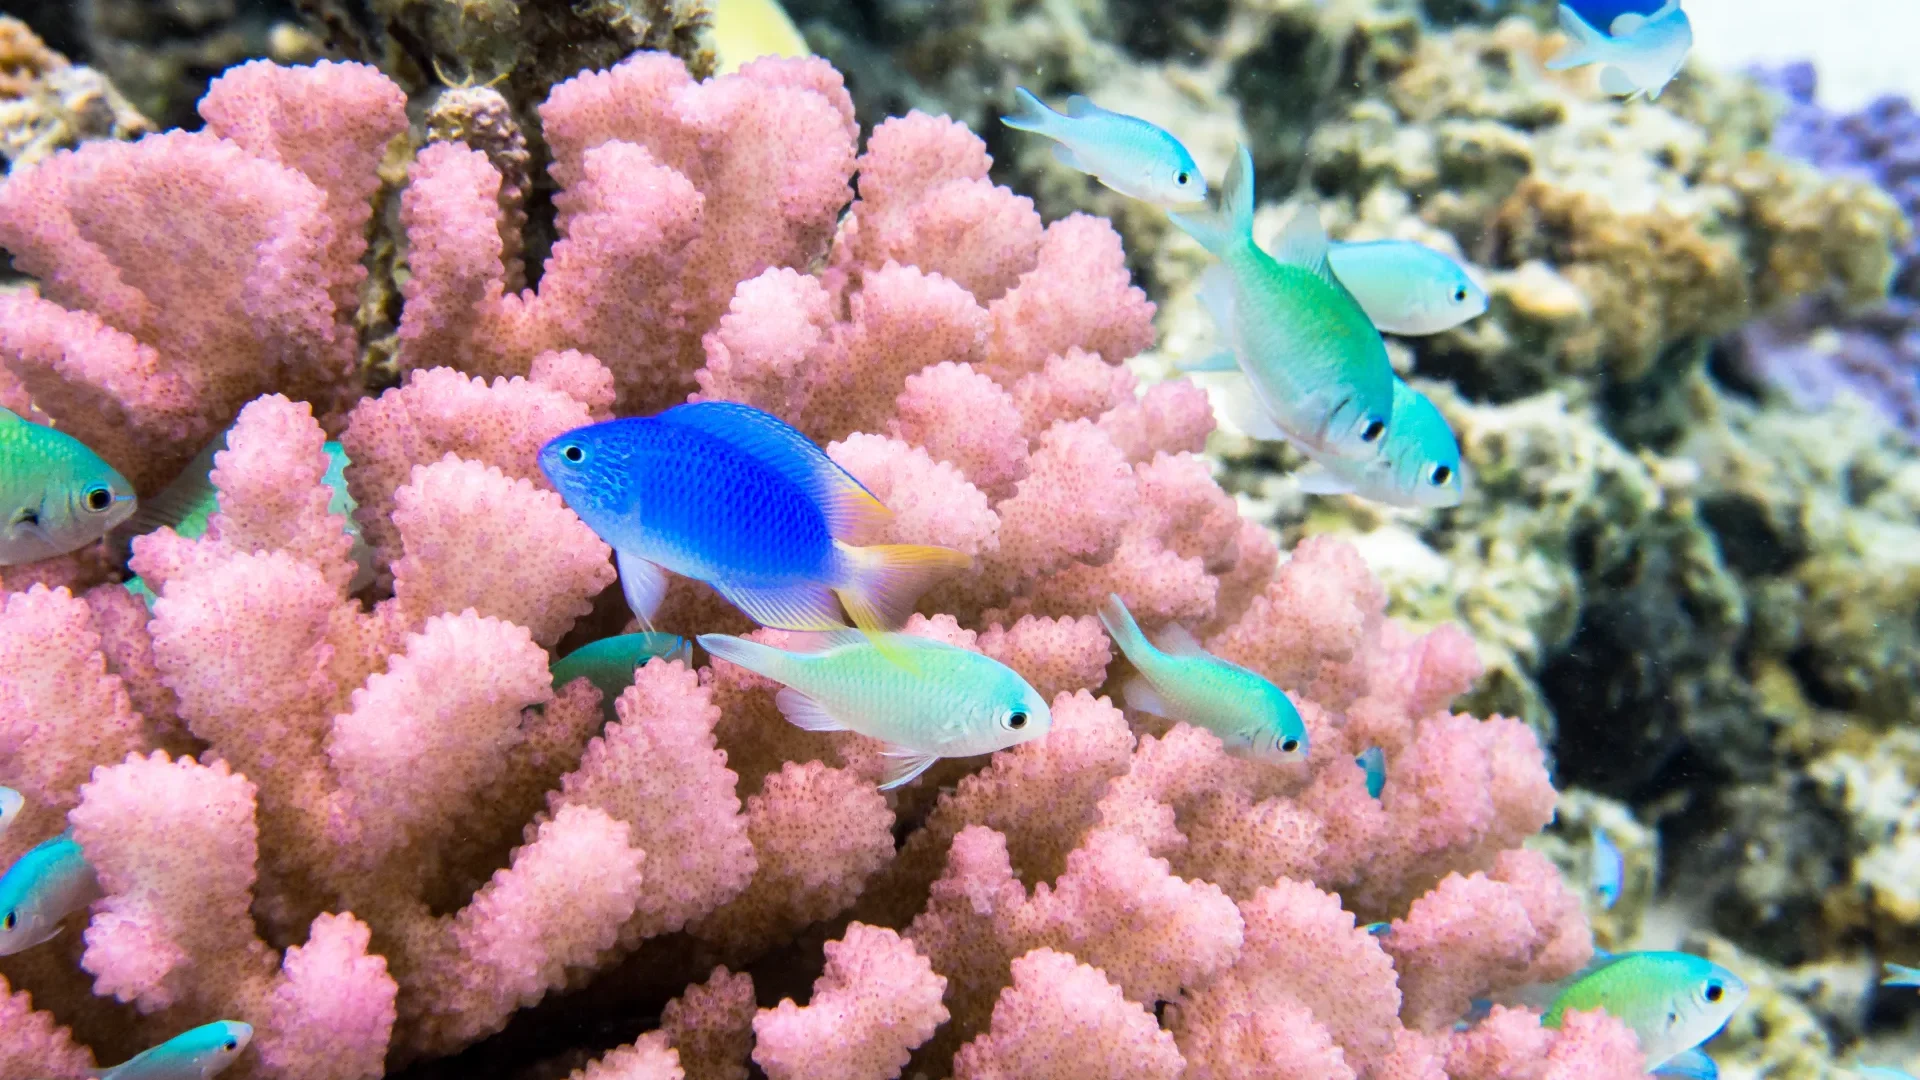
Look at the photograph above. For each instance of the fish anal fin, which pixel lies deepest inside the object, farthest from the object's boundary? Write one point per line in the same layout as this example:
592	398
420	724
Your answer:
1317	479
1617	83
805	713
645	586
1140	696
903	766
800	606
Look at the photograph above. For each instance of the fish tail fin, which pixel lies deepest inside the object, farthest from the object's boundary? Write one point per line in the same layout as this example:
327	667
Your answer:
880	584
1585	44
764	660
1126	634
1224	228
1032	114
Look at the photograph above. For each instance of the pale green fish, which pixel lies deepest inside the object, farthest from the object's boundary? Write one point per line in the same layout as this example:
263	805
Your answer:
610	662
1123	152
1641	53
189	503
925	699
1182	681
1407	288
1673	1001
1418	467
40	890
11	803
56	495
1316	362
1901	975
200	1054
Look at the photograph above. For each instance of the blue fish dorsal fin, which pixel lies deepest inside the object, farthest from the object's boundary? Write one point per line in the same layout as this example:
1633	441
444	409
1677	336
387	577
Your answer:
1627	23
850	509
1079	105
1176	640
1303	243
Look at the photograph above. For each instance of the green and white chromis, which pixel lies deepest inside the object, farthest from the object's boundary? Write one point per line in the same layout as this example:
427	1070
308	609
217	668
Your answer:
40	890
56	495
1182	681
11	803
1419	465
1316	362
925	699
609	663
1407	288
1673	1001
1123	152
199	1054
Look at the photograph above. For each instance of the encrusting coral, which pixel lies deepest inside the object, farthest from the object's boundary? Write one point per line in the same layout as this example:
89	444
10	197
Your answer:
369	826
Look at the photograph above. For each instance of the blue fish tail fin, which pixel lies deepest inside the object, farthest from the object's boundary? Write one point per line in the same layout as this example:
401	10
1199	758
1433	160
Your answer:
880	584
1032	115
1126	633
763	660
1585	44
1223	229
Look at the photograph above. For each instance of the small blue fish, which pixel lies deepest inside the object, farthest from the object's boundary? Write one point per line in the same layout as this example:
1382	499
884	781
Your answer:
40	890
1901	975
1378	929
733	496
1182	681
1373	762
1609	868
1673	1001
1691	1064
200	1054
1123	152
1407	288
11	804
609	663
1314	360
1641	53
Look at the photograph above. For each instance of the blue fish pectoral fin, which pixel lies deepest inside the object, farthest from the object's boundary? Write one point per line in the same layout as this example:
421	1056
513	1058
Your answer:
1249	414
1140	696
1317	479
805	713
644	584
1584	43
850	509
1064	154
1618	83
903	766
803	606
1216	295
879	585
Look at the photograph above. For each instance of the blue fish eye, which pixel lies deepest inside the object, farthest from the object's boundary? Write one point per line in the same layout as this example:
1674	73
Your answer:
99	498
1373	431
10	921
1441	474
1288	746
1715	991
1183	179
574	453
1017	720
232	1046
1459	294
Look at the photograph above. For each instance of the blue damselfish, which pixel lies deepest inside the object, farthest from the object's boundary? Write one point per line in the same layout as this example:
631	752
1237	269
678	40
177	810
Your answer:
199	1054
733	496
40	890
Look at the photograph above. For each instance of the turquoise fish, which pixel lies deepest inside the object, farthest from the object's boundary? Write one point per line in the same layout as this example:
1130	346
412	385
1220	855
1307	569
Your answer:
1641	53
1901	975
1673	1001
1182	681
609	663
1407	288
1314	359
1123	152
11	804
40	890
1418	466
199	1054
939	701
733	496
56	495
1608	869
1373	762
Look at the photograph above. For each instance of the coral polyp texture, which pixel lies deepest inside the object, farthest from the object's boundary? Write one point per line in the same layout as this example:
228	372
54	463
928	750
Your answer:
368	825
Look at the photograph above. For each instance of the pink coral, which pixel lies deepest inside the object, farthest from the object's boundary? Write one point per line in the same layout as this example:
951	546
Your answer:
876	1001
1061	1020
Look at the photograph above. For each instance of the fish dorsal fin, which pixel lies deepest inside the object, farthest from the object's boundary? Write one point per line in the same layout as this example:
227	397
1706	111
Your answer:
1303	243
851	510
805	713
1627	23
1176	640
1080	105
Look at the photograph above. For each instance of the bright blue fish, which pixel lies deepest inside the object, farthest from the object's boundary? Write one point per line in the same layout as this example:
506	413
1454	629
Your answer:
609	663
1609	868
1418	466
1901	975
1373	762
1378	929
11	803
1641	53
200	1054
1691	1064
1407	288
1123	152
733	496
39	891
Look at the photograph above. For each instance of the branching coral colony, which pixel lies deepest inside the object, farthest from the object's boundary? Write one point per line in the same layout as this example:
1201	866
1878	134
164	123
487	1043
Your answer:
304	810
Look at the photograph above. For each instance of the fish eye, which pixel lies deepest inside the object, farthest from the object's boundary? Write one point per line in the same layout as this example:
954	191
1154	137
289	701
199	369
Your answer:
1715	992
573	453
1373	431
232	1045
1459	294
1360	761
1288	746
1016	720
1183	179
99	498
1441	474
10	921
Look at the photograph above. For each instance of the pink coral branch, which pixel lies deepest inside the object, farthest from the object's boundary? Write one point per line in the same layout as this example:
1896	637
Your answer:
876	1001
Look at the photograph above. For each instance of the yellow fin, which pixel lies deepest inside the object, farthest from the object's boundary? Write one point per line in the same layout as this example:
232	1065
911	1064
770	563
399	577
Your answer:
881	584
